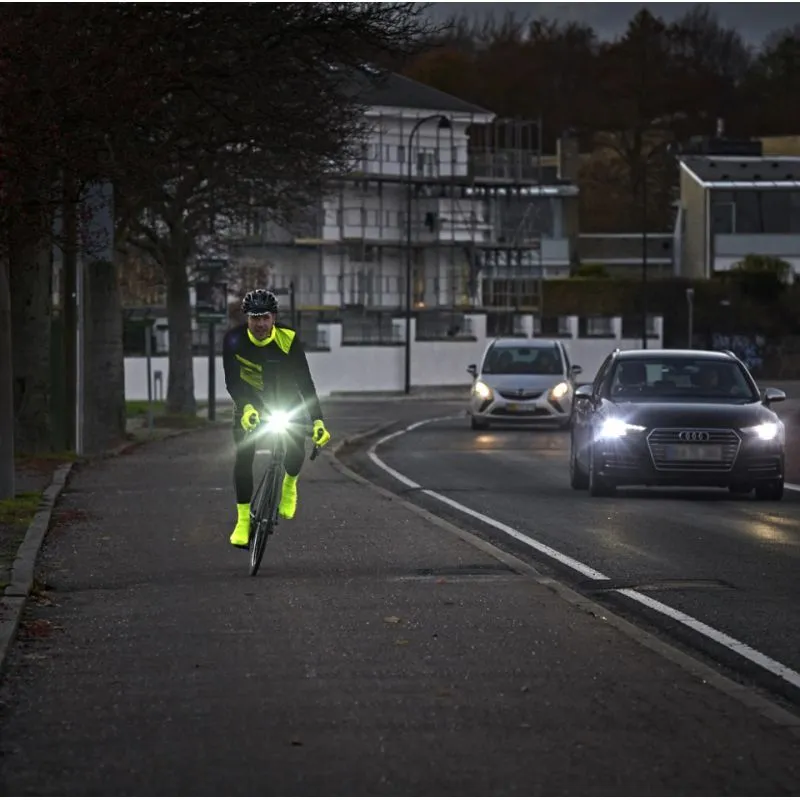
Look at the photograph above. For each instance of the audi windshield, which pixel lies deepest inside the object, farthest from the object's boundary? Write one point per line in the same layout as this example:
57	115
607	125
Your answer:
689	379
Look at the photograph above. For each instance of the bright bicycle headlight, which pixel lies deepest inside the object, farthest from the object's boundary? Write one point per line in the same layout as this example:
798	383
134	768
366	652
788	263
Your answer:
482	390
559	390
766	431
278	421
613	428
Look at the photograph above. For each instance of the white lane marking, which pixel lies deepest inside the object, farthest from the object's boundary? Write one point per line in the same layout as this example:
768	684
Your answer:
740	648
792	487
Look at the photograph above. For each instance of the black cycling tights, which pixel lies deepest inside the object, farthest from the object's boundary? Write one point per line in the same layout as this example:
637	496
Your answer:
246	452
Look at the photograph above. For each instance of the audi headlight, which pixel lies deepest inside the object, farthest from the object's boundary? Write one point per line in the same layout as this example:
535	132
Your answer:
559	390
482	390
766	431
613	428
278	421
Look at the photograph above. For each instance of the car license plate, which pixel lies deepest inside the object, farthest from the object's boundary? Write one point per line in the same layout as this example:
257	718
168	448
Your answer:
694	452
513	407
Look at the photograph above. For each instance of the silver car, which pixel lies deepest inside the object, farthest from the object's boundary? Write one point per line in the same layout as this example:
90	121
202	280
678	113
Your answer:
522	380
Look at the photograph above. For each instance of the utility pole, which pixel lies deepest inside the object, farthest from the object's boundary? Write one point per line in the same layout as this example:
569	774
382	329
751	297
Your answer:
69	267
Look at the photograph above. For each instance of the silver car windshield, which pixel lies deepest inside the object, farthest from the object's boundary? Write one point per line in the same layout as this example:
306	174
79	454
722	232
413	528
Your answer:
523	360
701	379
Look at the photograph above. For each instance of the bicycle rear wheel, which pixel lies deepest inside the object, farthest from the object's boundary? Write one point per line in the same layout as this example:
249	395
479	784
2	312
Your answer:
263	518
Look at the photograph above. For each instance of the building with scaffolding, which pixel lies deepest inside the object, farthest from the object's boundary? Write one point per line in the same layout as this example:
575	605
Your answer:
463	202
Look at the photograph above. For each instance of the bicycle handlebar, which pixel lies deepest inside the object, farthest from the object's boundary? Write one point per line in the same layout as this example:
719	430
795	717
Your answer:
308	432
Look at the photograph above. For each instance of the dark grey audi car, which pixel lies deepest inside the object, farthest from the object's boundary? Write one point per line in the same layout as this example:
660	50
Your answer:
676	418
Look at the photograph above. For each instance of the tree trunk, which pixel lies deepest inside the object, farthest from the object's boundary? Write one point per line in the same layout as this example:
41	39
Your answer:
180	382
31	269
7	487
104	363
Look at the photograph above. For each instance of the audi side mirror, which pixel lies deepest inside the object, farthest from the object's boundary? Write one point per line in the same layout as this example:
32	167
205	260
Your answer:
773	396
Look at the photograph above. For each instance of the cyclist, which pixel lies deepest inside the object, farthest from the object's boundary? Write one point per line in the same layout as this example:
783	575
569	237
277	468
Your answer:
266	368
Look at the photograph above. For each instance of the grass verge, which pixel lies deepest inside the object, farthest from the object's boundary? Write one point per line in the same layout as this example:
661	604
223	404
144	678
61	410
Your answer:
15	516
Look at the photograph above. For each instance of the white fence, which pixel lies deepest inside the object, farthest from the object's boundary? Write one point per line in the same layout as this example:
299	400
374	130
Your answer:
375	368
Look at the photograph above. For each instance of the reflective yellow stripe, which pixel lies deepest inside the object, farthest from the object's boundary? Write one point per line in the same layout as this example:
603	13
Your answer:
246	362
250	373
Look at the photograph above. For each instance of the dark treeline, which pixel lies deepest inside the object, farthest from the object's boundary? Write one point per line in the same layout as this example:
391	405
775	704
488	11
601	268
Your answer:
656	82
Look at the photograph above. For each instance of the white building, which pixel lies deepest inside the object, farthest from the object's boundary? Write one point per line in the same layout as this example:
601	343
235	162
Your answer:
488	220
733	206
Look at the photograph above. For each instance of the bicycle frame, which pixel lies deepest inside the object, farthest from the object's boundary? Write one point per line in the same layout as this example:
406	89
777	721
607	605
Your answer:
266	498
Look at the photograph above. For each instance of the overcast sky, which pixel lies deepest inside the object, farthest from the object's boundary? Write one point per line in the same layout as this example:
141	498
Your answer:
754	20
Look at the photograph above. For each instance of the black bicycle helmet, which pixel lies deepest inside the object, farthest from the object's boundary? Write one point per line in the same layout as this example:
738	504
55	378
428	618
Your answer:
260	302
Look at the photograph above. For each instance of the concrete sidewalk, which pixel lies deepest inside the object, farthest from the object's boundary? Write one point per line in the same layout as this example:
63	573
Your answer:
376	653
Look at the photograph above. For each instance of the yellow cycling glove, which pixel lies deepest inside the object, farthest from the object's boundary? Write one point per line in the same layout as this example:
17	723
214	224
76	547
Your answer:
250	418
321	435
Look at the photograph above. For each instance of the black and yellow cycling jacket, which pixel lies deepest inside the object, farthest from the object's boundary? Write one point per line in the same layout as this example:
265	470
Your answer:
269	374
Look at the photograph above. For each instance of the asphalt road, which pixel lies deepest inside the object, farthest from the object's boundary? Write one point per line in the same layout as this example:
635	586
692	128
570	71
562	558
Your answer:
730	563
377	653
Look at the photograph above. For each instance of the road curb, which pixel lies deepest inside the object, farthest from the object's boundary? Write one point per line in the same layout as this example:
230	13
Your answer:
358	438
23	569
745	695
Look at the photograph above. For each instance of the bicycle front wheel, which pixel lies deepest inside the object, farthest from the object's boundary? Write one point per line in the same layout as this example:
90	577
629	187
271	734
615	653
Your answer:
263	518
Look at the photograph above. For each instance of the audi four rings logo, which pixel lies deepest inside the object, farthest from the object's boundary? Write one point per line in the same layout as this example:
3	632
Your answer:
694	436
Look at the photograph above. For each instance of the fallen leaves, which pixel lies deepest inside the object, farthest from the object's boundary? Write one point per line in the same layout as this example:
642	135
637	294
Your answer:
38	628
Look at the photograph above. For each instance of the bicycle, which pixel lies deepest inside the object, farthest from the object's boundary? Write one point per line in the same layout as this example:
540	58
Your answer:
267	497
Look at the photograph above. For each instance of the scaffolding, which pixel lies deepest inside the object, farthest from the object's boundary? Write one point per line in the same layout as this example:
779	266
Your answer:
479	195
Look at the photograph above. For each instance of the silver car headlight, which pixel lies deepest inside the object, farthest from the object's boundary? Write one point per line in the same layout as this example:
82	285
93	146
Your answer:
559	390
482	390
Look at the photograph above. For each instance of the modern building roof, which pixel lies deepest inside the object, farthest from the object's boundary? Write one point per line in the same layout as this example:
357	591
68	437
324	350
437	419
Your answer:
739	172
381	88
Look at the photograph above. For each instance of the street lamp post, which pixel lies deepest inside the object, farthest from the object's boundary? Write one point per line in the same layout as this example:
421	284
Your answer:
668	147
444	124
644	257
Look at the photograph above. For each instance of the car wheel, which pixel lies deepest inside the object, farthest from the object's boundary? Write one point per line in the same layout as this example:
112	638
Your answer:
740	488
598	486
771	490
578	479
476	425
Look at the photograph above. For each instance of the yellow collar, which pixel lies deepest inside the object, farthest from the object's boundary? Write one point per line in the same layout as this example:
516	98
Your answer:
262	342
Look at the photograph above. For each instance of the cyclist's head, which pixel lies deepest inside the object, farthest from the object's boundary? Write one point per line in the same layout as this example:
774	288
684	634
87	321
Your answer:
261	307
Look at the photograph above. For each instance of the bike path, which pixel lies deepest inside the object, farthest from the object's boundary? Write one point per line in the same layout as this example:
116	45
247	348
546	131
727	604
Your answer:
376	653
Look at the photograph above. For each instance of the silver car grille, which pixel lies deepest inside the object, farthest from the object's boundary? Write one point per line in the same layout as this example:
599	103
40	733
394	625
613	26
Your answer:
531	394
660	439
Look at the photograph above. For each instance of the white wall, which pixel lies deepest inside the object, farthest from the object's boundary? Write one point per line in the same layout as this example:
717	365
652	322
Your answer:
381	368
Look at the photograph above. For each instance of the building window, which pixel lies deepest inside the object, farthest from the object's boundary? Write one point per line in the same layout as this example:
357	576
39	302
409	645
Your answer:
401	153
722	217
755	212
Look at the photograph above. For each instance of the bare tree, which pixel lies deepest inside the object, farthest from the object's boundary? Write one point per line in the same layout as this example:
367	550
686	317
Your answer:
265	109
149	97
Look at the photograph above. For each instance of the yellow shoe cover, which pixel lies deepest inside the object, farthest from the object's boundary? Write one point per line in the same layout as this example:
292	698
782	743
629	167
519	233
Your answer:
241	533
288	504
